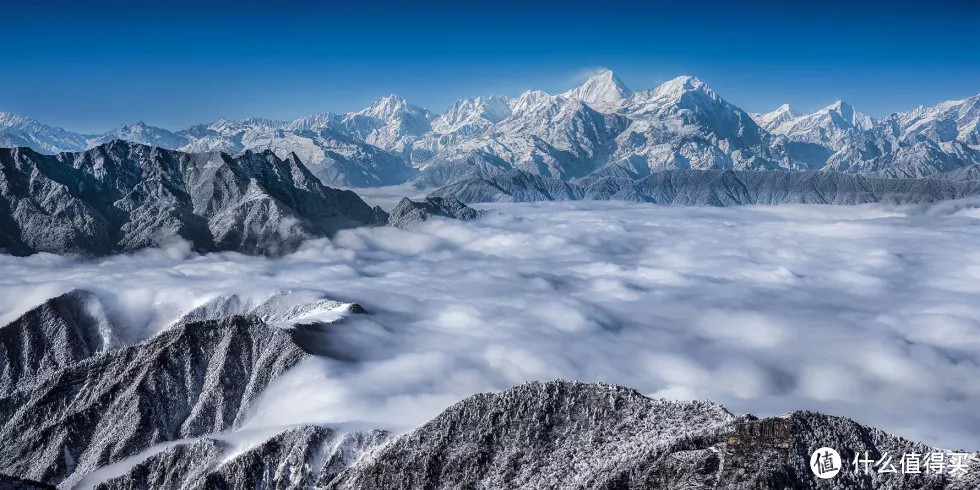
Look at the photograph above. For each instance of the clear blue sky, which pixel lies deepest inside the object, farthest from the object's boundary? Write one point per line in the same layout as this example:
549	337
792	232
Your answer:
88	66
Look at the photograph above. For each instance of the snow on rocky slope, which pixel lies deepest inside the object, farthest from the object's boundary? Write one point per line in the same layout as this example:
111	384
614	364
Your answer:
123	196
555	434
170	412
682	123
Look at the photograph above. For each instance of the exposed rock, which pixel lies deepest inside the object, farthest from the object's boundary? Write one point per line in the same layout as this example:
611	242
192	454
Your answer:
191	380
282	308
573	435
300	458
14	483
713	188
542	435
54	335
122	196
409	212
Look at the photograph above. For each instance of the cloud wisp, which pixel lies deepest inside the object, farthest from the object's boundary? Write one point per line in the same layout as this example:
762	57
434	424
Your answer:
871	312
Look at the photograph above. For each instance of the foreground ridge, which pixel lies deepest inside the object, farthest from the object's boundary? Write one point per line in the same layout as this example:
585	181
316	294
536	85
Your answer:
557	434
82	408
578	435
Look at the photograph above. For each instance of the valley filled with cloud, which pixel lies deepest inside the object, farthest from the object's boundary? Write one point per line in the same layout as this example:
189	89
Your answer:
867	311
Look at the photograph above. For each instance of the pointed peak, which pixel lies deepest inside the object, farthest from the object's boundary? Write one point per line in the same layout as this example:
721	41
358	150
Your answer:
850	115
388	102
605	75
771	120
390	99
677	87
839	106
389	106
603	87
685	82
784	111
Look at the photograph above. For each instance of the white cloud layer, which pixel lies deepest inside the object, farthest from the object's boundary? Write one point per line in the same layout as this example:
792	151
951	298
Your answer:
869	312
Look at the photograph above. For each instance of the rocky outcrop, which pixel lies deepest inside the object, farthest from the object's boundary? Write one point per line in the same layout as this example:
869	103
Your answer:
121	196
409	212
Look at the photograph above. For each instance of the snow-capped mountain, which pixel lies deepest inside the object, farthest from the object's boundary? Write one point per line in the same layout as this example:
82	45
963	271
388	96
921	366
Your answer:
140	133
604	91
471	117
771	120
917	143
18	130
333	155
826	125
682	123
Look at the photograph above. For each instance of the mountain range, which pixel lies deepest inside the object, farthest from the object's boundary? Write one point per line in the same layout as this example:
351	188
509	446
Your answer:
686	187
122	196
680	124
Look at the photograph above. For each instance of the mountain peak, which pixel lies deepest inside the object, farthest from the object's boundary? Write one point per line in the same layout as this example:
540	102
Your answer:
839	106
685	82
9	119
850	116
388	102
604	87
770	120
389	107
677	87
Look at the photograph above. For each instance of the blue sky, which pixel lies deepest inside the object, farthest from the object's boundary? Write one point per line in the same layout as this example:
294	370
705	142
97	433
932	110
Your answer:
88	66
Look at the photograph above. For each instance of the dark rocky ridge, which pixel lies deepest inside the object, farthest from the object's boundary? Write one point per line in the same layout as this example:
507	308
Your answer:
191	380
714	188
573	435
409	212
59	333
122	196
14	483
555	435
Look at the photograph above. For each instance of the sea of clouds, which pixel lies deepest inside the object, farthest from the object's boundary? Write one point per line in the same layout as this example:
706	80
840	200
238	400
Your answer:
870	312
